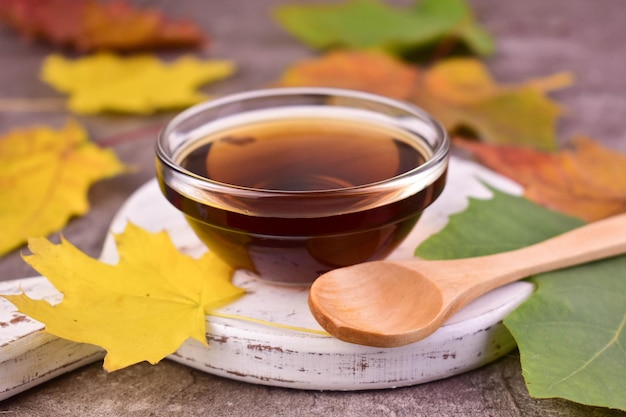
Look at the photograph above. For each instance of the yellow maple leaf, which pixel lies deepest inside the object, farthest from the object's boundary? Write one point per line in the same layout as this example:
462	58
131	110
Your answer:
141	309
138	84
44	178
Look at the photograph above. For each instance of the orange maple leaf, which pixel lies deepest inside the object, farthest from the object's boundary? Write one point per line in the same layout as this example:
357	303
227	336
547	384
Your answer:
460	93
366	71
585	180
87	25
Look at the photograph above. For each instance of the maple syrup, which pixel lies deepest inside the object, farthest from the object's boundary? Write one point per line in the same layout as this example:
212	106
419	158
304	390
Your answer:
294	192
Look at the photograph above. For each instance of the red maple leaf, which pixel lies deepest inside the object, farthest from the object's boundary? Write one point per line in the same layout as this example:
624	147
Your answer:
87	25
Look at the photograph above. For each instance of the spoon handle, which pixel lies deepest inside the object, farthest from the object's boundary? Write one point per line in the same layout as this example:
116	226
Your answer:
593	241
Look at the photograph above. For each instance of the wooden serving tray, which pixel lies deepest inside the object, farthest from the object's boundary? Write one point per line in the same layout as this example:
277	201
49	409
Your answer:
291	356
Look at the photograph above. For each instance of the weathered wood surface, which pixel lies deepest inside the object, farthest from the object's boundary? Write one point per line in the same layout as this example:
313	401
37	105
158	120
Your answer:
260	353
535	38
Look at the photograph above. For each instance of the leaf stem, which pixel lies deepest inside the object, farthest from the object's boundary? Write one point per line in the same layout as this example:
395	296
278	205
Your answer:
268	323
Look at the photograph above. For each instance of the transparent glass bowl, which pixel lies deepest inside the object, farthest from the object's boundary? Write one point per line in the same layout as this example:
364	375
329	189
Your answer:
290	234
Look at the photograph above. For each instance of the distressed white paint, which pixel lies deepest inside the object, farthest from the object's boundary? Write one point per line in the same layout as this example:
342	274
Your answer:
269	355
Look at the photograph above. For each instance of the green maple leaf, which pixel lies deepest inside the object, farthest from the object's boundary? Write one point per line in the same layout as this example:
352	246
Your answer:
363	24
571	333
500	224
459	17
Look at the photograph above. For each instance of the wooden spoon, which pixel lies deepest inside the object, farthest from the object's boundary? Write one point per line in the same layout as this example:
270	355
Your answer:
394	303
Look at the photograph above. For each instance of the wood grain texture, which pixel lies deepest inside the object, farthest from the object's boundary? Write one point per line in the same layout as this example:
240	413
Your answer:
278	356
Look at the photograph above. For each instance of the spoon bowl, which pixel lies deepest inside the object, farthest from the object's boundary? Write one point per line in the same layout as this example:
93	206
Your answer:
395	303
417	300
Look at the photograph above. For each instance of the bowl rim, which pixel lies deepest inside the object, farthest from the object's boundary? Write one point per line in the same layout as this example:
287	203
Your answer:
436	162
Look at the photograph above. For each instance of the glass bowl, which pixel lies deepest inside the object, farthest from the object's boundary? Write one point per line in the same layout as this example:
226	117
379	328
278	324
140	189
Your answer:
290	183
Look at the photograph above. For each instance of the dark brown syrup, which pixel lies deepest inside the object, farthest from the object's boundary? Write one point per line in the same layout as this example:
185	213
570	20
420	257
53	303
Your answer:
303	155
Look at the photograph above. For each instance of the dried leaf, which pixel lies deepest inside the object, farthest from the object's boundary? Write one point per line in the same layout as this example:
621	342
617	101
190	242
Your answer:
365	24
586	180
88	25
460	93
44	179
139	84
143	308
373	72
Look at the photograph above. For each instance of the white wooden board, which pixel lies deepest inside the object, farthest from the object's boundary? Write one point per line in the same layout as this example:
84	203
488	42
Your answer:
264	354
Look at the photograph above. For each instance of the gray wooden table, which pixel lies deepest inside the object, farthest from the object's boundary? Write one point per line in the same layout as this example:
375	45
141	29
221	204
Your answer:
535	38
